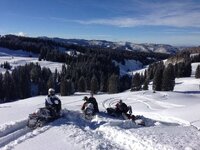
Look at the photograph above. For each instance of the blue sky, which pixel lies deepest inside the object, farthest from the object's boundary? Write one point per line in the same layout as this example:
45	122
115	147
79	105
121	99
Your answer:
175	22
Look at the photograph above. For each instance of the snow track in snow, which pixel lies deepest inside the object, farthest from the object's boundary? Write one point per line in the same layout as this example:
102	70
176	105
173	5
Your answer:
11	127
154	104
13	136
110	102
17	132
12	131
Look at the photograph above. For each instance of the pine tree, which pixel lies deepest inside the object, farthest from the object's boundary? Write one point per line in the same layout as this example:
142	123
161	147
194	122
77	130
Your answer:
188	69
63	86
176	70
180	69
82	84
136	82
66	87
113	84
94	85
8	85
6	65
50	82
1	88
145	75
24	81
56	80
145	85
35	74
103	83
157	80
63	71
142	78
168	81
69	86
45	74
197	73
184	69
125	83
16	78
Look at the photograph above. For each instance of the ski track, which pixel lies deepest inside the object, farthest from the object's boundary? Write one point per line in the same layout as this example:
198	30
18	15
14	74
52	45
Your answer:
120	131
11	127
109	102
82	131
17	132
154	105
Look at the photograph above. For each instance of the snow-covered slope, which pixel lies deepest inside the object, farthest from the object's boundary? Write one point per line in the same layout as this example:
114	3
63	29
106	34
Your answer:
128	66
171	115
18	53
20	58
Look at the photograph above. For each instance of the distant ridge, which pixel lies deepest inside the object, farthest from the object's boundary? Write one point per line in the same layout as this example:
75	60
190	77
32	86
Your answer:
144	47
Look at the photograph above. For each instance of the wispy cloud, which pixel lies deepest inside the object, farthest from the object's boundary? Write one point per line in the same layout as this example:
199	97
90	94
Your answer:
90	36
173	14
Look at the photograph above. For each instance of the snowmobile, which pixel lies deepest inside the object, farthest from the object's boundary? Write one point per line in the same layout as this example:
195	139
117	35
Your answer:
126	116
88	112
41	117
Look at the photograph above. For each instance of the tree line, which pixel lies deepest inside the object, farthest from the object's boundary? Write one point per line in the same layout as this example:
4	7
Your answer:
162	76
32	80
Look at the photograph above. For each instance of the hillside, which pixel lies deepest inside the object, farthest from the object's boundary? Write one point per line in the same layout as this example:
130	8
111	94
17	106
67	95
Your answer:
171	118
129	46
20	58
172	122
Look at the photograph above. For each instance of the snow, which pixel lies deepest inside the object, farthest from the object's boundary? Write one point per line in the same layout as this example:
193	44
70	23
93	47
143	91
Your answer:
172	121
129	65
172	124
20	58
8	52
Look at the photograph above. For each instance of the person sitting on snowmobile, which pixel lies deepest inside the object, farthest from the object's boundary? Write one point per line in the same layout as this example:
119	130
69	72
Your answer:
124	110
53	103
85	103
94	102
87	107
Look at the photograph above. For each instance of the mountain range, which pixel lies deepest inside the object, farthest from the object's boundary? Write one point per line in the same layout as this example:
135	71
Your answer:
143	47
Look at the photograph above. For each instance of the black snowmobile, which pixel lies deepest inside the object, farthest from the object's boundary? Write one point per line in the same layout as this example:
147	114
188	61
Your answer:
126	116
41	117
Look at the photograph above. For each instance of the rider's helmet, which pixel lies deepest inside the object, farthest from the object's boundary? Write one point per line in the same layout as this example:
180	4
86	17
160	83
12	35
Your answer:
120	101
51	91
85	98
